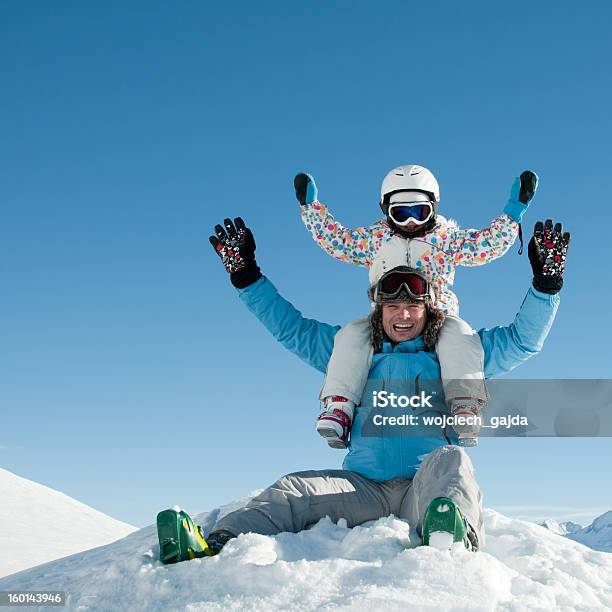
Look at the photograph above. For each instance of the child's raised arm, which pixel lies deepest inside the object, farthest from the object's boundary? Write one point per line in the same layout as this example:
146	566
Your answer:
474	247
354	246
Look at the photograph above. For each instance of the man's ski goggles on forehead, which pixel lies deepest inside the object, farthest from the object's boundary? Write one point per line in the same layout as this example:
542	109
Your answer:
401	280
403	212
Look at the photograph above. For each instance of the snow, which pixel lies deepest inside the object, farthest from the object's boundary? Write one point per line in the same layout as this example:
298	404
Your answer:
39	524
441	540
375	566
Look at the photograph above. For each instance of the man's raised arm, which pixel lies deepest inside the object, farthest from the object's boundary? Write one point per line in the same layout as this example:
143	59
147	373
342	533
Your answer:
508	346
309	339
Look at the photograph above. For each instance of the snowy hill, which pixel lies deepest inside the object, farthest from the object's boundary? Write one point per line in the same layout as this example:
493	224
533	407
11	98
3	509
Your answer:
523	567
38	524
597	535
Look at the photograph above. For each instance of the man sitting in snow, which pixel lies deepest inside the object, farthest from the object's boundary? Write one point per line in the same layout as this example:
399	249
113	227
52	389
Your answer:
416	473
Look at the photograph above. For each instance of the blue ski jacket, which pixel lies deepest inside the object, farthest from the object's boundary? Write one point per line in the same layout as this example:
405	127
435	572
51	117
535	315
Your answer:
383	452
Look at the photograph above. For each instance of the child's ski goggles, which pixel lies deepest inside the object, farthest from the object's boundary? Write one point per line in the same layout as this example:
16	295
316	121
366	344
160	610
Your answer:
399	282
403	212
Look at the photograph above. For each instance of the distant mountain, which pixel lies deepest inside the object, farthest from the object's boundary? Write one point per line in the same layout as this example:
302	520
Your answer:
39	524
597	535
561	528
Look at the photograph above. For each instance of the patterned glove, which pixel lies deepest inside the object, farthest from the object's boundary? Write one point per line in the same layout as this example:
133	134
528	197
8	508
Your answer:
547	253
305	188
236	248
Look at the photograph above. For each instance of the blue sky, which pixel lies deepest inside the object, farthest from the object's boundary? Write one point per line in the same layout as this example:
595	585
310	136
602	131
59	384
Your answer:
131	376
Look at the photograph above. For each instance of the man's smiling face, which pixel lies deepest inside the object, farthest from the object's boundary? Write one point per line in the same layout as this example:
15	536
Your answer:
403	320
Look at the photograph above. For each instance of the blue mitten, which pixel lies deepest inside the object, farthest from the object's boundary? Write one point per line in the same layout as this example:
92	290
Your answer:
522	192
305	188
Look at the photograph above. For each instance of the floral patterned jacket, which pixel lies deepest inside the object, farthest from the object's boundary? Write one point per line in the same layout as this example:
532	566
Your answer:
436	254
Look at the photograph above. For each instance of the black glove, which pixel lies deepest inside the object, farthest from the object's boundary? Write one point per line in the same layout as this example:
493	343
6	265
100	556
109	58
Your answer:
547	252
236	248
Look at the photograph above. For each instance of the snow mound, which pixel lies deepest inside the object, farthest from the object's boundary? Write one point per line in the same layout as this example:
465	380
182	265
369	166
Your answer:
523	567
39	524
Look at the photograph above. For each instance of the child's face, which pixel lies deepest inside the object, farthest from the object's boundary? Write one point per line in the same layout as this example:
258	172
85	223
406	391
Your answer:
410	227
403	320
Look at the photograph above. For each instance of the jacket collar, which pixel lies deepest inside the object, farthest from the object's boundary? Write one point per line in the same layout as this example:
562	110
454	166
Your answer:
409	346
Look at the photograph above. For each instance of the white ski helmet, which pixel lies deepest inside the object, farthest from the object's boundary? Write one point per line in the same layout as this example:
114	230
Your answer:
409	178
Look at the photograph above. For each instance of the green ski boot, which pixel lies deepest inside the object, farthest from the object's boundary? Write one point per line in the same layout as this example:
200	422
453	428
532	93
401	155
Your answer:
180	538
444	525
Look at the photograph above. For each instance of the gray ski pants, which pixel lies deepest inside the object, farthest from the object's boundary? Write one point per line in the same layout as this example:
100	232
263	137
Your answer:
299	500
